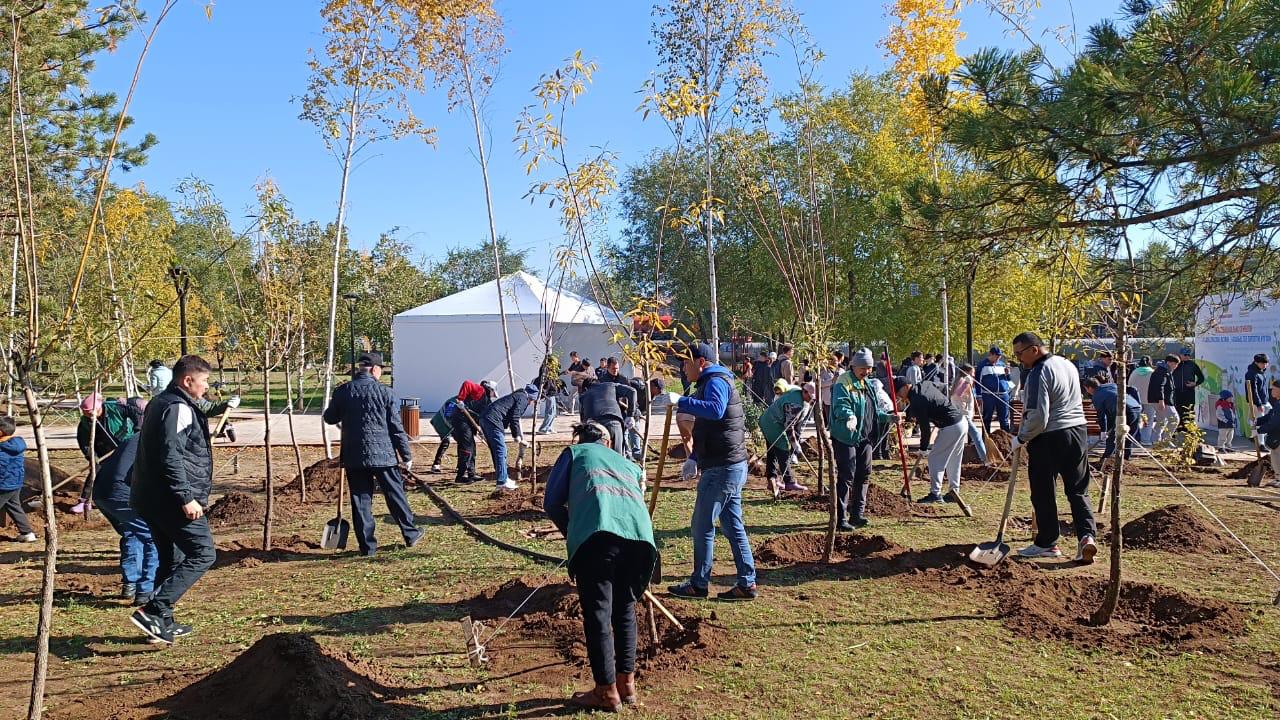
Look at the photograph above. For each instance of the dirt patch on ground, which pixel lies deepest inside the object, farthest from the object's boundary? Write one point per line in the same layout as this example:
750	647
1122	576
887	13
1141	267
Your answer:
323	482
880	503
1243	472
808	547
244	554
980	474
1058	608
552	619
286	675
1002	441
514	505
1176	529
33	482
234	508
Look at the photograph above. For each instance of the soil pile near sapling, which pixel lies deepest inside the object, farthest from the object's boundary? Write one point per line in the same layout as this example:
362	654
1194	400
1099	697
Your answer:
1176	529
880	503
235	508
1002	440
1058	608
552	616
288	676
978	473
251	554
323	482
514	505
808	547
1246	470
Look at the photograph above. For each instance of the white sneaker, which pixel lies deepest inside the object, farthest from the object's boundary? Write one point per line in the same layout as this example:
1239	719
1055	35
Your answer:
509	485
1035	551
435	468
1087	551
27	538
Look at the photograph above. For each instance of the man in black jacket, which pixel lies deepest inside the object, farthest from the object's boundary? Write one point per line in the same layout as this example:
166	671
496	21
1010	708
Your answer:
372	437
501	415
1255	385
1160	394
1186	379
928	402
762	380
609	404
172	478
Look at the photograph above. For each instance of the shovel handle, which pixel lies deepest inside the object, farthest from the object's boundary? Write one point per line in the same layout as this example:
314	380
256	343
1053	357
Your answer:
662	460
1014	462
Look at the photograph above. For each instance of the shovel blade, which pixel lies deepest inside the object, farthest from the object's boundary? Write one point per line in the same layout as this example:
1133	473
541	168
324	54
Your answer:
334	536
989	554
1255	475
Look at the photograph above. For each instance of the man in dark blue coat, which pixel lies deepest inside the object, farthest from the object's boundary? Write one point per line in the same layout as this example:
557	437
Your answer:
372	437
504	414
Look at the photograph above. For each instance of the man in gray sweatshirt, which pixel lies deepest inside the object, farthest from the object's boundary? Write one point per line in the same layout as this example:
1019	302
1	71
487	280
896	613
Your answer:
1053	435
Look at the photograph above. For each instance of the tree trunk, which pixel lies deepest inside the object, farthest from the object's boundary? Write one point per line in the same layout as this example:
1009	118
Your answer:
87	494
1102	615
473	105
266	447
13	311
823	453
707	135
44	624
946	338
122	333
353	119
293	437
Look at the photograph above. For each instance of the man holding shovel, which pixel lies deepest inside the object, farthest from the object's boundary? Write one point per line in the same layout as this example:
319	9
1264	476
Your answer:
927	401
857	408
501	415
594	497
372	438
1055	437
778	425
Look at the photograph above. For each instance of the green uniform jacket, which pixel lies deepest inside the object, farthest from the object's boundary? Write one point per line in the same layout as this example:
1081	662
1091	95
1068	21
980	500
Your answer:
440	423
605	496
773	422
854	398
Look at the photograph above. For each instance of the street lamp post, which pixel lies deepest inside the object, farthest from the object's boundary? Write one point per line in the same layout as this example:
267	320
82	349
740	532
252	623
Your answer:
351	299
181	284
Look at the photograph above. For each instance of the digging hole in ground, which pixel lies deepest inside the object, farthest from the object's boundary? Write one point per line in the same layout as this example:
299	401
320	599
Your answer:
880	503
285	675
1058	608
1246	470
552	621
515	505
245	554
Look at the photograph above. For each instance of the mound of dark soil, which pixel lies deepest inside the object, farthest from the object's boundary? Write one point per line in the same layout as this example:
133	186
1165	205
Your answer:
244	554
1058	608
1002	441
235	508
552	616
286	675
807	547
33	482
978	473
1175	529
323	480
1244	471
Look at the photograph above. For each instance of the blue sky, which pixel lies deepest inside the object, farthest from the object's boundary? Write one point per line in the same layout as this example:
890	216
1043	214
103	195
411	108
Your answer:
220	95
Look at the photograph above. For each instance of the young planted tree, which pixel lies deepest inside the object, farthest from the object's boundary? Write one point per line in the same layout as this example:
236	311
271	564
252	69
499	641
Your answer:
719	47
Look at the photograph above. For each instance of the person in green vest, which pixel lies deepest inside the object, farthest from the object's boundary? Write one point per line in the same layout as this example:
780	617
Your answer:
117	422
780	424
444	429
596	498
858	406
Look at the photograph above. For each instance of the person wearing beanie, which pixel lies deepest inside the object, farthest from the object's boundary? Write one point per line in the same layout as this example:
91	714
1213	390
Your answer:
504	414
116	422
778	424
858	408
1224	411
720	457
373	443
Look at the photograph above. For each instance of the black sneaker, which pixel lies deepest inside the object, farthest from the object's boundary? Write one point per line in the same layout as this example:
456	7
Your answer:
142	599
739	592
153	625
128	590
845	527
688	590
466	479
179	629
860	523
931	499
410	542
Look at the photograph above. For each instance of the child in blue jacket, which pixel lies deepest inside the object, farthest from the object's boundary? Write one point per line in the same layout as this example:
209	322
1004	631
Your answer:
13	472
1225	410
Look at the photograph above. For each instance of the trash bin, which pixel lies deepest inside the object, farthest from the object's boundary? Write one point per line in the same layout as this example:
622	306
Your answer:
410	414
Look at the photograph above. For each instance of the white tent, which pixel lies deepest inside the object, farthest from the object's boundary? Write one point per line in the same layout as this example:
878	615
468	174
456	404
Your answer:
459	337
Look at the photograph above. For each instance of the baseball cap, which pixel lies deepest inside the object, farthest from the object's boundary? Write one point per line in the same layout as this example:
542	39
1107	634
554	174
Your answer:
370	359
701	351
995	350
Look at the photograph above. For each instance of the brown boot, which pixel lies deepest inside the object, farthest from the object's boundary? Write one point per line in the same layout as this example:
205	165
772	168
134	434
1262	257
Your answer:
626	685
601	697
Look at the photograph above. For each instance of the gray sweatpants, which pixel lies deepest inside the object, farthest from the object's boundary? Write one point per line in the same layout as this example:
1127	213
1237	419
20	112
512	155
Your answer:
946	455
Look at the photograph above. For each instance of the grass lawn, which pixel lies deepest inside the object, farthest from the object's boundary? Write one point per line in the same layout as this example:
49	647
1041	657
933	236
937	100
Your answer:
819	642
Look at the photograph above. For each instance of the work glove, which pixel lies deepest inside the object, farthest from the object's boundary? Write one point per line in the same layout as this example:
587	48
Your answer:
1014	444
408	465
674	397
690	469
234	402
851	425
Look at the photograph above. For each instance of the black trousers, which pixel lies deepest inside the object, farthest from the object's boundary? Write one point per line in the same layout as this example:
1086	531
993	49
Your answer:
186	552
1131	419
466	437
11	503
778	464
853	473
926	431
1185	401
608	571
363	481
440	451
1062	453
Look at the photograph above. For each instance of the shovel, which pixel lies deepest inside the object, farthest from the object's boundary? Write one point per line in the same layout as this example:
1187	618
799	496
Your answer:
1255	475
336	530
992	553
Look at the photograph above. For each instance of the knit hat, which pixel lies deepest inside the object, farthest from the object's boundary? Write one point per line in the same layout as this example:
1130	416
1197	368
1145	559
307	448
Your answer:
782	386
862	359
91	403
810	388
531	390
1224	395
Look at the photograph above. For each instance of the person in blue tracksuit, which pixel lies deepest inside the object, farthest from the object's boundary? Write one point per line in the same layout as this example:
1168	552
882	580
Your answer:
993	389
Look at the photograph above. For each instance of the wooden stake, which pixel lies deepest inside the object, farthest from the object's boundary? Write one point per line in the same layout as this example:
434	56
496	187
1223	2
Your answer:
662	460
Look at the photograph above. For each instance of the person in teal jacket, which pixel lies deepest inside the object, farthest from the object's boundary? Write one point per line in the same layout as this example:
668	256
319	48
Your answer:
780	423
858	406
596	498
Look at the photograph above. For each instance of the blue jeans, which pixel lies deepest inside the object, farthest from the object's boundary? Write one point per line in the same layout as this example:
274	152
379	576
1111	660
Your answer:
548	412
635	443
138	557
975	437
720	496
995	405
497	442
